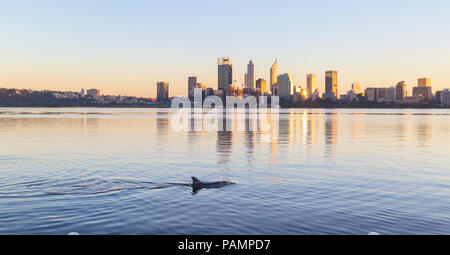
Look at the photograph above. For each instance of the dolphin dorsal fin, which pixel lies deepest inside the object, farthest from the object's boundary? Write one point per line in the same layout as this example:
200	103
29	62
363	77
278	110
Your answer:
195	180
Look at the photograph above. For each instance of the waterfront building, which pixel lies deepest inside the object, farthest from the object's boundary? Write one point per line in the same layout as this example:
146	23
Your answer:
390	94
331	82
162	91
246	80
310	84
273	77
445	97
371	94
400	90
284	85
251	75
423	89
261	86
192	84
424	92
93	92
381	95
424	82
225	73
437	97
356	87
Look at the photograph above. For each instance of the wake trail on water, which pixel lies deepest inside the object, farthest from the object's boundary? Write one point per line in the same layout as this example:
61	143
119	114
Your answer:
99	186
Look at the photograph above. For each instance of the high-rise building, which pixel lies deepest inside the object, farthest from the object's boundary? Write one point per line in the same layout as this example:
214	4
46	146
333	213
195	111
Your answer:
445	97
424	82
437	96
192	83
331	82
225	73
246	80
423	89
381	94
371	94
310	84
251	75
400	90
356	87
261	85
284	85
273	76
390	94
162	91
424	92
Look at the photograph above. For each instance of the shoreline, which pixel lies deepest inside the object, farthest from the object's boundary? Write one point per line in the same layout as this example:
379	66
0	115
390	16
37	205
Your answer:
290	107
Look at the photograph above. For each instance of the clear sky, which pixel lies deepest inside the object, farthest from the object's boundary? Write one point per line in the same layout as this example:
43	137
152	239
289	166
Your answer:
125	47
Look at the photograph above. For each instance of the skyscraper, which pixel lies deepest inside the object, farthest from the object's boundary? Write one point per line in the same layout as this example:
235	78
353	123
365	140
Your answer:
261	86
424	92
331	82
251	75
381	94
390	94
273	76
424	82
400	90
284	85
310	84
371	94
162	91
445	97
192	83
246	80
356	87
225	73
423	89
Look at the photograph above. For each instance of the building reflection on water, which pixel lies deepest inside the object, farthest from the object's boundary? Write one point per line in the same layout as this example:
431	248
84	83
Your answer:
311	129
224	144
423	131
295	132
331	127
401	130
162	127
251	125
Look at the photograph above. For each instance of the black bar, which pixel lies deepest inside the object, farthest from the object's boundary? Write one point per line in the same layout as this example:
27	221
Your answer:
223	245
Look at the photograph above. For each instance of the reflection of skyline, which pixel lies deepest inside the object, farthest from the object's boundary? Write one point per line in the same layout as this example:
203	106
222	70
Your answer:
224	144
192	134
311	127
162	126
423	131
401	131
309	132
330	135
356	129
250	126
299	133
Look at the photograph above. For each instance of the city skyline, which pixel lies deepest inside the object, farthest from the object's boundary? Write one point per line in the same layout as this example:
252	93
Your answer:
126	49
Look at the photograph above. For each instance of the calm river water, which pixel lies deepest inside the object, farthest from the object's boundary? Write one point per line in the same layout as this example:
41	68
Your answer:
328	171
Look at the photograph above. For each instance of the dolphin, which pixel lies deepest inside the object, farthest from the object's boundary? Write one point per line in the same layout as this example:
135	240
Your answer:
198	185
